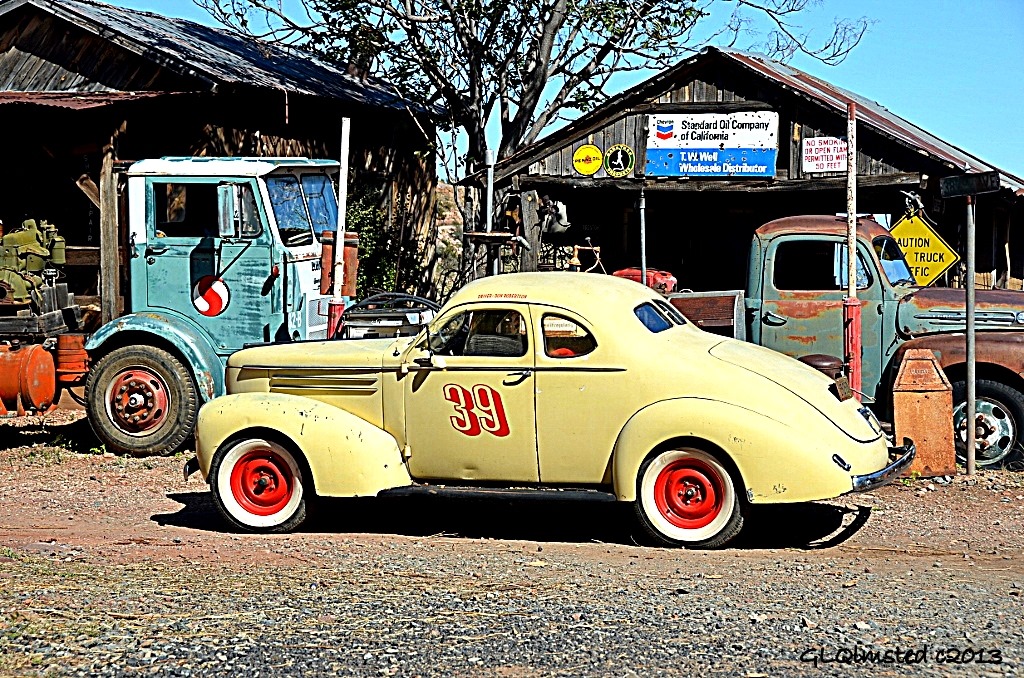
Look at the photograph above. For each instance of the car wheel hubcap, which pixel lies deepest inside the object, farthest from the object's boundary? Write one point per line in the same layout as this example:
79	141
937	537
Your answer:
689	493
995	431
262	482
137	400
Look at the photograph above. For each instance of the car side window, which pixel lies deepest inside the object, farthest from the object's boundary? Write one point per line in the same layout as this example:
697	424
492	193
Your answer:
491	332
564	338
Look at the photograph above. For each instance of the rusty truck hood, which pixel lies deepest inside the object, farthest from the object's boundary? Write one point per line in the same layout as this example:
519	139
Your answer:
930	310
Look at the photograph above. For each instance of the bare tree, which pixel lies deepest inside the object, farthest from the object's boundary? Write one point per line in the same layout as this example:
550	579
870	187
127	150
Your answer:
532	61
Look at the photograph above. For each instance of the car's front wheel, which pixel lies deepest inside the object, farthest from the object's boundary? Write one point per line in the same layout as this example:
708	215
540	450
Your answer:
686	497
259	486
999	419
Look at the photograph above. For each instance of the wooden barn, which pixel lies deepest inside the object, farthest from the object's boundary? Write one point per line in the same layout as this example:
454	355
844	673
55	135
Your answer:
705	196
81	78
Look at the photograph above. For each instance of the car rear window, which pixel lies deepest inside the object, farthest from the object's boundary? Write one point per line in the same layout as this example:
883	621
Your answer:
652	318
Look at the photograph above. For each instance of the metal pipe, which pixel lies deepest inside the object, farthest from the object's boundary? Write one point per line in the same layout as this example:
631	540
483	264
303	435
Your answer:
971	365
851	305
336	305
643	237
489	207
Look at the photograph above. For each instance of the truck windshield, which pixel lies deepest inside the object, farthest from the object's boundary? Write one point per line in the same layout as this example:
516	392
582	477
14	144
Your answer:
303	206
894	265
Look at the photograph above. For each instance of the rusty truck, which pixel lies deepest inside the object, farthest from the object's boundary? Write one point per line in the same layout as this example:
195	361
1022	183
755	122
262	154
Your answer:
215	253
793	303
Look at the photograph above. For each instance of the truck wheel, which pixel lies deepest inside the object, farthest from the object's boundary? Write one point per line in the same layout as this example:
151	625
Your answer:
141	400
258	486
686	497
1000	418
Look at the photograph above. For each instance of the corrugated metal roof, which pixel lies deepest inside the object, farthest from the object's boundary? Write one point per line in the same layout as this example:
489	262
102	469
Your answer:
217	55
76	100
826	94
870	112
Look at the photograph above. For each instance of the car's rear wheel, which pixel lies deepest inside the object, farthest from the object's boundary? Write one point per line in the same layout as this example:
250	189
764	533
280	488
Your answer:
259	486
686	497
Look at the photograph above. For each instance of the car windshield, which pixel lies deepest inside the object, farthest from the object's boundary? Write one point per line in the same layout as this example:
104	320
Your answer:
303	206
894	265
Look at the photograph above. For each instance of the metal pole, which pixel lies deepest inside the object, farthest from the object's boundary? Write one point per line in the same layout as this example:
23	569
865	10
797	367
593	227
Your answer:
488	221
336	305
971	367
643	237
851	306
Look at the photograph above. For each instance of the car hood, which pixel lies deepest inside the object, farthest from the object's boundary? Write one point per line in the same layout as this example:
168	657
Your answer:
353	353
942	309
804	382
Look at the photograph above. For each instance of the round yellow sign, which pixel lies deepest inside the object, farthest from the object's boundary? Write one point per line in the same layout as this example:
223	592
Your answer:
587	159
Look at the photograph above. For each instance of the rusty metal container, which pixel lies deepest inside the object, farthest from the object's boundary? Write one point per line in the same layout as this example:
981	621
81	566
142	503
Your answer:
72	359
350	255
922	401
27	378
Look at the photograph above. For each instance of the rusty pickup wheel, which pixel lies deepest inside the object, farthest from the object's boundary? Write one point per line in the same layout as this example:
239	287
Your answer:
141	400
686	497
999	420
259	486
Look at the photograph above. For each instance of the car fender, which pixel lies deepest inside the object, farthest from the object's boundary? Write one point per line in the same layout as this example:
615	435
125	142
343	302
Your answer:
347	456
187	338
771	468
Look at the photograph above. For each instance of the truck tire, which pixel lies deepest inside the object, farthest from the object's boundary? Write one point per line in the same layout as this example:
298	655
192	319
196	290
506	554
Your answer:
686	497
259	486
141	400
1000	411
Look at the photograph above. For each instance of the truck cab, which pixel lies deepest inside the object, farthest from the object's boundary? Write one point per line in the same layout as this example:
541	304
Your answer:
221	252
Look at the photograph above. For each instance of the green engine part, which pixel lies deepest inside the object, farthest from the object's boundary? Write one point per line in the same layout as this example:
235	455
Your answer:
24	255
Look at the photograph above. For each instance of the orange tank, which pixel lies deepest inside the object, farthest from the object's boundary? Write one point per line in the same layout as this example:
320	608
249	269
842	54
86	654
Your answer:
28	379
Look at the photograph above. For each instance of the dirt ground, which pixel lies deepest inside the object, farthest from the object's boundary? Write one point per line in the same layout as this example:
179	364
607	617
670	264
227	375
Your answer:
75	518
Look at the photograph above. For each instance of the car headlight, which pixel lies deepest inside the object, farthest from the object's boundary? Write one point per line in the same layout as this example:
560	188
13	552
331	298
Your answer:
1020	318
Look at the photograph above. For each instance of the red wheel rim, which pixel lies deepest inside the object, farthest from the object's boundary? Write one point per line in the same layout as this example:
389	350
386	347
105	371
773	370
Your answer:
689	493
262	482
138	400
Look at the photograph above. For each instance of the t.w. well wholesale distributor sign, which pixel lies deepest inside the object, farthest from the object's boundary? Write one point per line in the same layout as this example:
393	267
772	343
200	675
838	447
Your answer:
713	144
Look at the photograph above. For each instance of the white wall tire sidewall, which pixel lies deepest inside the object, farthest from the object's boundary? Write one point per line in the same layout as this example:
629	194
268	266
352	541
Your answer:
227	497
660	523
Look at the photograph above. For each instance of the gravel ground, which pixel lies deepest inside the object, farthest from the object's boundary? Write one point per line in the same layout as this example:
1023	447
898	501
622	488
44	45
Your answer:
116	566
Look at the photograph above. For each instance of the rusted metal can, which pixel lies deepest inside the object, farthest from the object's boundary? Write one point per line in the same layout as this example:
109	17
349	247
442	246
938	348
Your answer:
72	360
27	378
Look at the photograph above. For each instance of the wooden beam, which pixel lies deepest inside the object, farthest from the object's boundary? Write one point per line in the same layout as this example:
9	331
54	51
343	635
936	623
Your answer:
81	255
109	292
721	186
529	205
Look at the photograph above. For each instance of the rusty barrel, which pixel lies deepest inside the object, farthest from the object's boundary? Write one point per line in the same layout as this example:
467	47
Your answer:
350	255
26	371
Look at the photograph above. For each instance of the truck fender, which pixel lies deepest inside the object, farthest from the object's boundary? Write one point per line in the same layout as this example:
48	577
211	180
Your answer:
1005	349
346	456
775	471
183	335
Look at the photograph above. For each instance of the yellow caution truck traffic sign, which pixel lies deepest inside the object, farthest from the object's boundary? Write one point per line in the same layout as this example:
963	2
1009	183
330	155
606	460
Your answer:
927	253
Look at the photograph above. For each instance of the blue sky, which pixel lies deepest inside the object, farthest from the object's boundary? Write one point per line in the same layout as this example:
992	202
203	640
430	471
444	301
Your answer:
948	66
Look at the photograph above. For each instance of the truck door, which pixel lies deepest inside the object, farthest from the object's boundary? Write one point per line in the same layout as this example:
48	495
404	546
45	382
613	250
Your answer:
195	268
474	419
802	309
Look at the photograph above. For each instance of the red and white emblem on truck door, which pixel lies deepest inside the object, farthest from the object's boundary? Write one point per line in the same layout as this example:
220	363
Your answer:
210	296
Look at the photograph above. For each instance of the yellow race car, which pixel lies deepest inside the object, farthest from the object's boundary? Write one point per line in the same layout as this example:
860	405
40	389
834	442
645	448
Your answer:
541	380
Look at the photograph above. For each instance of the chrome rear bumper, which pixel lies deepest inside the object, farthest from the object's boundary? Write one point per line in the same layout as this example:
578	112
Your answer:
904	456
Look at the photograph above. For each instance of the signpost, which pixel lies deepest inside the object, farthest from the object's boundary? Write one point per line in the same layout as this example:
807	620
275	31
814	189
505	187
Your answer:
968	185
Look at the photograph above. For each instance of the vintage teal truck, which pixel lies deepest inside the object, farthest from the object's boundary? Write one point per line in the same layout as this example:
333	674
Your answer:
214	253
793	303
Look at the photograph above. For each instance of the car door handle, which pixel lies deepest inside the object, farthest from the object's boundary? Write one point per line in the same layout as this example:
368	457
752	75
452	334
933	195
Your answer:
150	250
773	319
519	377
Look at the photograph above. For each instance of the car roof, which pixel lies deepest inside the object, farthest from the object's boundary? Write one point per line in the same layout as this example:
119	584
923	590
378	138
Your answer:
588	294
825	224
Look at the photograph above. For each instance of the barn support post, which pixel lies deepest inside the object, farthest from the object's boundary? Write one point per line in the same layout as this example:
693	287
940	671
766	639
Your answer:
109	260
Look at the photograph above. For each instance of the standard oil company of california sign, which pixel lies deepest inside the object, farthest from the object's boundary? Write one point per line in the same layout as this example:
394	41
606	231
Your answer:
743	144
